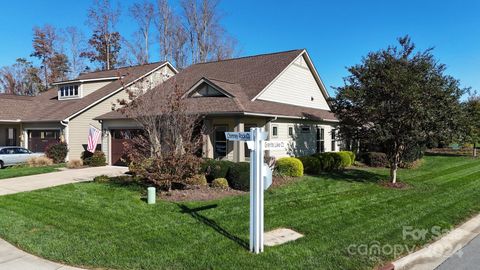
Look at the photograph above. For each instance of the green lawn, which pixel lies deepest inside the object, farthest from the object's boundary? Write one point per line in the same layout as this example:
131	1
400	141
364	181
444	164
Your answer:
17	171
109	226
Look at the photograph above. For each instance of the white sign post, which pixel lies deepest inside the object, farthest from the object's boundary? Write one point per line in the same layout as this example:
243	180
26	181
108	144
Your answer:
260	179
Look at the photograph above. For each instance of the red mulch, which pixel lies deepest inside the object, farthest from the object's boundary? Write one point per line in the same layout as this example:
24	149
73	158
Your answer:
199	194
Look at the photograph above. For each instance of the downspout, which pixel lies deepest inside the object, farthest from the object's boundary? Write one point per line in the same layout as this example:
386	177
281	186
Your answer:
66	135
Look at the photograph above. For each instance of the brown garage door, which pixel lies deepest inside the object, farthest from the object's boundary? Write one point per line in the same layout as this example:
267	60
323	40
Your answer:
119	138
38	140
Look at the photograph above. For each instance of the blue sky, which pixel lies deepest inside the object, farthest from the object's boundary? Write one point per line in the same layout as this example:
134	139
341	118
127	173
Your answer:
335	33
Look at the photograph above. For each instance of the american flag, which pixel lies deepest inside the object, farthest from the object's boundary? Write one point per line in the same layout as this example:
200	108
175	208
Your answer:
93	138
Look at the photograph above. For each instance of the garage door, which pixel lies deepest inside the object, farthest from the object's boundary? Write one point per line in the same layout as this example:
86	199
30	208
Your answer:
119	138
38	140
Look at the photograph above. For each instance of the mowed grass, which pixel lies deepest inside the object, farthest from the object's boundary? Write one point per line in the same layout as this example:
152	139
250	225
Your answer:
109	226
24	170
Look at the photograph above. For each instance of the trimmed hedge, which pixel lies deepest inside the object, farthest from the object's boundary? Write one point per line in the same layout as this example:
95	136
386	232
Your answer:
96	159
57	152
330	161
311	164
214	169
238	176
289	166
197	180
375	159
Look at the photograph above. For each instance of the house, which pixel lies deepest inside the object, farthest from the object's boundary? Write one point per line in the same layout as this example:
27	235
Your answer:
65	112
281	92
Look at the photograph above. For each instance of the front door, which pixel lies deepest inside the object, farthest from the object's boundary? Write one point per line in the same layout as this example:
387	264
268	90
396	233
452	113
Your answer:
38	140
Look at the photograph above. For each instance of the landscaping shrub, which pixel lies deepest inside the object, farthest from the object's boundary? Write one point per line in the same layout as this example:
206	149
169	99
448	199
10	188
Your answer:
351	155
289	166
101	179
375	159
96	159
214	169
197	180
345	159
57	152
220	183
39	161
74	163
238	176
311	164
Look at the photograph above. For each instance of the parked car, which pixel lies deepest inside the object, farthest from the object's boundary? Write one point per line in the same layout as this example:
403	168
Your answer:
13	155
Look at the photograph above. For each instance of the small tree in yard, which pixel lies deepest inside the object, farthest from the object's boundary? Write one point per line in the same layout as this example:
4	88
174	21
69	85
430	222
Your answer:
472	121
166	152
399	100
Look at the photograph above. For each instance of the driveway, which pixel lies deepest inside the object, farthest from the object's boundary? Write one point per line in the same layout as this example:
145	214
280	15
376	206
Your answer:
39	181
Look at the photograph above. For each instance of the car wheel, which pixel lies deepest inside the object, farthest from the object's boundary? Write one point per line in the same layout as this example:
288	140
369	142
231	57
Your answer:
1	164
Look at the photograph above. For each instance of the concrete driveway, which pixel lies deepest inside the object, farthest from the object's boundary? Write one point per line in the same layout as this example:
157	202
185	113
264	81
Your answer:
39	181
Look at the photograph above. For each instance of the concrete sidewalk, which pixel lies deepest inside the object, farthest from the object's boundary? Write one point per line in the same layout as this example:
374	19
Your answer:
448	246
40	181
13	258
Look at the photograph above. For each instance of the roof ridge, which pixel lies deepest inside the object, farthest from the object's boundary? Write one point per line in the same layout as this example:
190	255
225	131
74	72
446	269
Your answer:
125	67
248	56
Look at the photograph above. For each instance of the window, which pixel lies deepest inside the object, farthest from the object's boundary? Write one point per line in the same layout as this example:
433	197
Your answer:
290	131
11	137
320	140
275	131
305	129
334	143
69	91
21	151
220	144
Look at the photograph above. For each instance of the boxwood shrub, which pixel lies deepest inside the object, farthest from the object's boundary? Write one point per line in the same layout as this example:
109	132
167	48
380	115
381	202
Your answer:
238	176
311	164
214	169
375	159
289	166
57	152
96	159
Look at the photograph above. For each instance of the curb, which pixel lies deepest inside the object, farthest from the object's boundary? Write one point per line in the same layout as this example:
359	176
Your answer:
434	254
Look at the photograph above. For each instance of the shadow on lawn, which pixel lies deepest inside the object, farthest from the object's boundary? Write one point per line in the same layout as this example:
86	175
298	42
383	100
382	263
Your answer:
193	212
354	175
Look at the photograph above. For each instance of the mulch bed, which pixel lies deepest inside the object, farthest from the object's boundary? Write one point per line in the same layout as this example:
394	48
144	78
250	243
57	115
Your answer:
199	194
397	185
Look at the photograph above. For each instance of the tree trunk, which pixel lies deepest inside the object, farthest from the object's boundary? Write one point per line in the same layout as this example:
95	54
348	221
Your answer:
475	150
393	173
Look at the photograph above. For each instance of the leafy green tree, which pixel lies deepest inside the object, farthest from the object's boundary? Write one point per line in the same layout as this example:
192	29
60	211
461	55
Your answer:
472	121
398	99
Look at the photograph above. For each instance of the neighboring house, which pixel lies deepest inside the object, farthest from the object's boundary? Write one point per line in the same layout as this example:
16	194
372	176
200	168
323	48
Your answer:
281	92
66	111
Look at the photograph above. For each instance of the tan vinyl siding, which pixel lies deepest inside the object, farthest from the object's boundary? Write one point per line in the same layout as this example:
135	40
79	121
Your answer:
296	86
90	87
79	126
300	144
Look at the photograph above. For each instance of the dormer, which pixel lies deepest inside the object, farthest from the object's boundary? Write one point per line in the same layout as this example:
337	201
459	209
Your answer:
75	89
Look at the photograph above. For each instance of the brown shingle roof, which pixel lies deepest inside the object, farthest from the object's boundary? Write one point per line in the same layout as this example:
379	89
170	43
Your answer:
47	107
243	78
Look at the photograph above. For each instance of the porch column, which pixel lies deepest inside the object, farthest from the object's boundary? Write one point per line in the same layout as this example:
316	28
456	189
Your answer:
238	146
207	147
